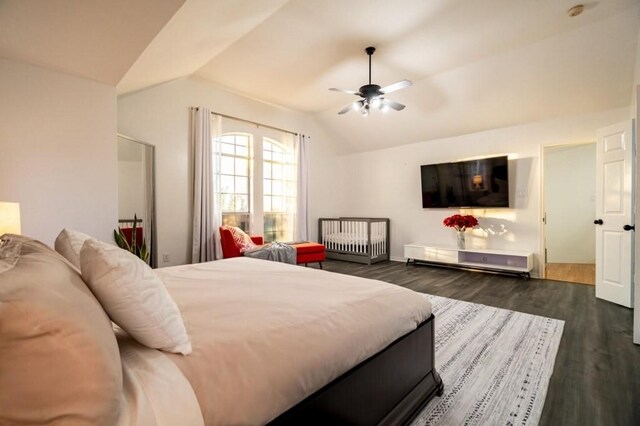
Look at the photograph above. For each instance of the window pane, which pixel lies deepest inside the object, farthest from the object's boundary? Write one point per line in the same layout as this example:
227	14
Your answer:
277	204
227	148
267	203
227	202
226	184
227	138
267	155
277	187
226	165
242	185
266	170
276	169
241	220
242	151
242	167
266	187
277	156
289	158
290	172
242	203
292	187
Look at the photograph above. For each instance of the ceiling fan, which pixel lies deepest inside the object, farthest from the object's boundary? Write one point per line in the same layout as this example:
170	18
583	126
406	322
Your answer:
373	95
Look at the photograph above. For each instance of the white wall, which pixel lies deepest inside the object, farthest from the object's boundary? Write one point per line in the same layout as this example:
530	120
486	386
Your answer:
386	183
58	151
569	202
160	116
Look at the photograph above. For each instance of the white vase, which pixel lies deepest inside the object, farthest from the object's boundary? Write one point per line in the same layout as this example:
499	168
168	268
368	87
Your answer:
461	240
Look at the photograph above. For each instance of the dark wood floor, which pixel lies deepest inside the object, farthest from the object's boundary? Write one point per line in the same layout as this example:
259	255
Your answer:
596	379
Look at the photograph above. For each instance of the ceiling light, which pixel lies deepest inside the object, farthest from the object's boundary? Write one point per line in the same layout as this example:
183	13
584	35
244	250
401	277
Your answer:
384	108
576	10
373	94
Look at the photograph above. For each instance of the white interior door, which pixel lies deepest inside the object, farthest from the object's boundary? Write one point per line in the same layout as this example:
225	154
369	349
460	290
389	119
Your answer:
614	214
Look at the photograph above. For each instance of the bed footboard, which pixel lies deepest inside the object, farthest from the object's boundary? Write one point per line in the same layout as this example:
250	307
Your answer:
389	388
355	239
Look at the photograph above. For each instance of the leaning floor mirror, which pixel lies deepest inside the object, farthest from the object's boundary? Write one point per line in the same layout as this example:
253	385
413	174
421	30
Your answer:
136	196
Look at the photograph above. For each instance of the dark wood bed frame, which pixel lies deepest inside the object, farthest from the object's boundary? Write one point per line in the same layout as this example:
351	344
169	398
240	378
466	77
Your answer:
390	388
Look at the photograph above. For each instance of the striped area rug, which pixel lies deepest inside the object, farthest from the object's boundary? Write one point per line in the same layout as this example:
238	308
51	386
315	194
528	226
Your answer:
495	364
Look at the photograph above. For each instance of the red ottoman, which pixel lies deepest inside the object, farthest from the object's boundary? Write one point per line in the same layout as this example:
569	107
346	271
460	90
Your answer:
309	253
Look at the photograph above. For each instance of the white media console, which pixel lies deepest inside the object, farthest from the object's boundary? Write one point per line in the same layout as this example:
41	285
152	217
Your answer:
511	262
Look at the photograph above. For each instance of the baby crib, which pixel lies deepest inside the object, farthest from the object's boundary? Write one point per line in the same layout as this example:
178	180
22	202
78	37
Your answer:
355	239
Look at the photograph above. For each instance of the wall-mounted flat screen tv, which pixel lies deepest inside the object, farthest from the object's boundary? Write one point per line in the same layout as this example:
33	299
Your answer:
473	183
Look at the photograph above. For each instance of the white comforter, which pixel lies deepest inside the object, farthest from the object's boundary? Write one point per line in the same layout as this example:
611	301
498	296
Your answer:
265	335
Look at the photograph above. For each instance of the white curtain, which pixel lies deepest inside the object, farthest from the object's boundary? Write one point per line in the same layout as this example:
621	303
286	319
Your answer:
302	210
206	219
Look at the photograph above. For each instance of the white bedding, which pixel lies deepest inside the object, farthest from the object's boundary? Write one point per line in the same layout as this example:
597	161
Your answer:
265	335
154	392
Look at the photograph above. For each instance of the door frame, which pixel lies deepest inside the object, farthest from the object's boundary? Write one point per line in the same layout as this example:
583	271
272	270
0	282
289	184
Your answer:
542	270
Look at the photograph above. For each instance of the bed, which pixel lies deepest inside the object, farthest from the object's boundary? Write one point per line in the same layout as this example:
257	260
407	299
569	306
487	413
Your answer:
355	239
272	343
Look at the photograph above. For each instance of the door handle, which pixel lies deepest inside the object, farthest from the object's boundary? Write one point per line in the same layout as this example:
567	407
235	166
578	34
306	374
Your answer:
629	227
598	222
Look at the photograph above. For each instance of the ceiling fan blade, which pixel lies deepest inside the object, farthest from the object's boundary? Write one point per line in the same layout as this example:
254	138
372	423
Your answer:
351	92
395	105
354	106
396	86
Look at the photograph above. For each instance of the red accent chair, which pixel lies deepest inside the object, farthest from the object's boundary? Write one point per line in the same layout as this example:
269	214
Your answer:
229	247
310	253
305	252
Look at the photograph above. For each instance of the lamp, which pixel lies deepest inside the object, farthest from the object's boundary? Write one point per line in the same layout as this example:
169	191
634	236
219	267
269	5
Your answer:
9	218
477	181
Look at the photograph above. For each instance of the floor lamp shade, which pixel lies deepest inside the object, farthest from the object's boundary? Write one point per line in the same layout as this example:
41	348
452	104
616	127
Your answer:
9	218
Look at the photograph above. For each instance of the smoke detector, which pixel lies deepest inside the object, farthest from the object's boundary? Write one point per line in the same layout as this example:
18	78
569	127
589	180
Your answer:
576	10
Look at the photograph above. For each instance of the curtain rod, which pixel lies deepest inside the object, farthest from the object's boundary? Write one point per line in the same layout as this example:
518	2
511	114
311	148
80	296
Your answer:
253	122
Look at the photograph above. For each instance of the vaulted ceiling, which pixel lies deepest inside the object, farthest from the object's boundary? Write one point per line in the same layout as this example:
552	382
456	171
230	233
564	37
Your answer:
475	65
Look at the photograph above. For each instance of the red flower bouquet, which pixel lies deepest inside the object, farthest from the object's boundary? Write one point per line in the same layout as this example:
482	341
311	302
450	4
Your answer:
461	222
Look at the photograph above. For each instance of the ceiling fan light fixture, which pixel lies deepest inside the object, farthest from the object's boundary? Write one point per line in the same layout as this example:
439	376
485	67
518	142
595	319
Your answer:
373	95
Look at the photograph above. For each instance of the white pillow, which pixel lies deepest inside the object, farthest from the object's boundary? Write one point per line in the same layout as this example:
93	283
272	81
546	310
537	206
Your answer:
68	244
133	296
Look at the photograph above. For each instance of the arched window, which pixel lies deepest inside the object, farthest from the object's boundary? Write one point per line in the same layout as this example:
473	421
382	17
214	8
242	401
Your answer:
234	179
279	187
